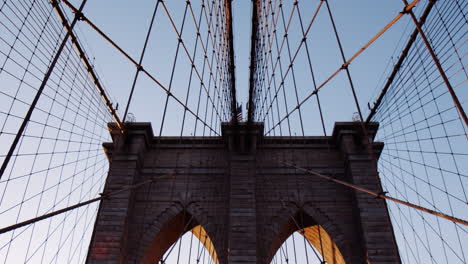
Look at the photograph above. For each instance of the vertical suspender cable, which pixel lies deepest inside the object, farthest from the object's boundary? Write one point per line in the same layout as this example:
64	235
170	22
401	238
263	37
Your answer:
139	68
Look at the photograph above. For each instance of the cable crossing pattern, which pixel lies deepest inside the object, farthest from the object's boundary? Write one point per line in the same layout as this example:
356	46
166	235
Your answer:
55	107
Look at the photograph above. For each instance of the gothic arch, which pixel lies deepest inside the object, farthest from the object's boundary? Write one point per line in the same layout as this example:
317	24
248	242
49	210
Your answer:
176	221
318	230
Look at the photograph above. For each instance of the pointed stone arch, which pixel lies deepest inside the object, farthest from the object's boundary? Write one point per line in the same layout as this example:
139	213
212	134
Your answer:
319	231
160	238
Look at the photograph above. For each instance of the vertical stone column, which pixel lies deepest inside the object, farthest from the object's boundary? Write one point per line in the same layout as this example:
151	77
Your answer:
376	230
242	210
242	228
109	240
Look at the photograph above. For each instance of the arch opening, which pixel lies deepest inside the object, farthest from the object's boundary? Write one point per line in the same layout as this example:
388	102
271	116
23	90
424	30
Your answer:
302	240
195	246
182	239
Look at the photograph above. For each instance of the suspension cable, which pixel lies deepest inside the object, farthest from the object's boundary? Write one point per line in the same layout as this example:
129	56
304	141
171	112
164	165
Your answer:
348	62
103	196
136	64
380	195
41	88
401	59
436	61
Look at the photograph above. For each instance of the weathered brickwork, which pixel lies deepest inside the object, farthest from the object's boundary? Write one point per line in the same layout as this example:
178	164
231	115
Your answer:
240	190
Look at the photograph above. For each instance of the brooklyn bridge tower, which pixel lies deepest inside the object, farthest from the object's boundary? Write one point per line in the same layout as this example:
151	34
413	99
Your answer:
211	131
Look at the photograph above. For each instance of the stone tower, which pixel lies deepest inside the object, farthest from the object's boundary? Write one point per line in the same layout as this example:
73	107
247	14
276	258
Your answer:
239	192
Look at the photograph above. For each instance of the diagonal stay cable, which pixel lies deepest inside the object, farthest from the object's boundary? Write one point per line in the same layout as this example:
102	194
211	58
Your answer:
296	53
41	89
346	68
429	48
141	60
211	37
291	65
85	60
381	195
179	36
314	82
265	60
173	71
269	45
401	59
136	64
78	205
350	60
